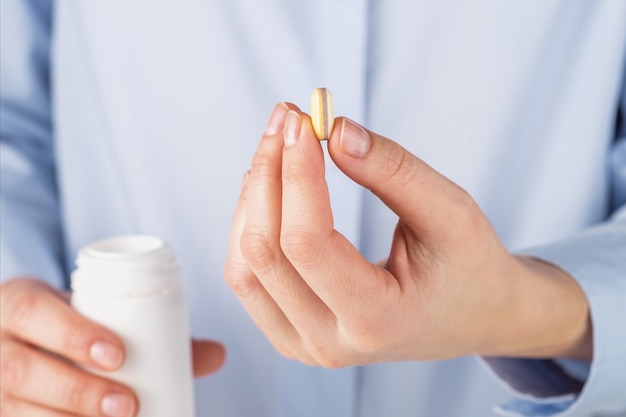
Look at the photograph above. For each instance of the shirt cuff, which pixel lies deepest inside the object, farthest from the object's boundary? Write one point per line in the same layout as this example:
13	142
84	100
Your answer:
597	261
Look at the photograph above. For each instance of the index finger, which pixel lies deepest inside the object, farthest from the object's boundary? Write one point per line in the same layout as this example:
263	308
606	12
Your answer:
34	312
325	259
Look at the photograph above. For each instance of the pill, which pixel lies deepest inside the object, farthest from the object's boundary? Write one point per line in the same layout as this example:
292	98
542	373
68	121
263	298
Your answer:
322	116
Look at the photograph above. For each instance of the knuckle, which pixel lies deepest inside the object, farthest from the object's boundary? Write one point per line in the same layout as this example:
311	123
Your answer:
466	214
13	367
324	355
257	249
397	167
76	338
233	270
294	172
8	406
74	390
368	342
9	287
306	360
282	349
366	337
292	349
22	304
263	164
330	362
300	247
243	285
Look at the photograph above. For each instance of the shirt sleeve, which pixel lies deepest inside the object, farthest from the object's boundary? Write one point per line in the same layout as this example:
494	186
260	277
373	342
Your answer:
596	258
30	236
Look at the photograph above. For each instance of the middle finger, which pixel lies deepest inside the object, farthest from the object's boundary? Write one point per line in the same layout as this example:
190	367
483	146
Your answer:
261	243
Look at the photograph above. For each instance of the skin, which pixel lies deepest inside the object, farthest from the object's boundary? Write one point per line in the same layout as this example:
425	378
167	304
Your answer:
449	287
44	341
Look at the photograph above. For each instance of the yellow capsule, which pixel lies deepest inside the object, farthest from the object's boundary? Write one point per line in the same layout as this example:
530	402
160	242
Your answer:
322	116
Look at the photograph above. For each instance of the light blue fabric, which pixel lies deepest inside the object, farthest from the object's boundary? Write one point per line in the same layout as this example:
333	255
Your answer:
32	238
141	117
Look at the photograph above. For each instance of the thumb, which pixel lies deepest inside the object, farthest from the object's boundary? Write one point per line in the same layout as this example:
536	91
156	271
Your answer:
208	357
425	200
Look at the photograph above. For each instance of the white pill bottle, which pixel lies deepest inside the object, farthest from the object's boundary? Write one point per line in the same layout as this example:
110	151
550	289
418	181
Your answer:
132	285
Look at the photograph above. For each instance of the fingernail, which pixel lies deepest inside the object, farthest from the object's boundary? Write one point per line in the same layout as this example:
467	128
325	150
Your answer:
106	355
118	405
354	140
277	119
292	128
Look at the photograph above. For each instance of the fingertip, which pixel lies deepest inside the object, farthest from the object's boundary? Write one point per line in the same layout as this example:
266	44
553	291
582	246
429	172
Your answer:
292	106
276	119
351	148
119	404
107	355
208	357
292	128
350	139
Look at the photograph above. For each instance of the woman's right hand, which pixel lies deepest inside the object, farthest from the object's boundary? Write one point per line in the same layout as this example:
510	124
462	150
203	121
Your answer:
43	342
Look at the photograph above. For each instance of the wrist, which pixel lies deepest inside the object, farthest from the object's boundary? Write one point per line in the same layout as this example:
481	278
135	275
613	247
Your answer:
546	314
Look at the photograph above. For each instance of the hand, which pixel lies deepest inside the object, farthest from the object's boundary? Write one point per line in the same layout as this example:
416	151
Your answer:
43	338
449	287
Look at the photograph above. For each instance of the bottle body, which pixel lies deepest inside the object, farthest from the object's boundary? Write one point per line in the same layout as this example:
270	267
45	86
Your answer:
132	286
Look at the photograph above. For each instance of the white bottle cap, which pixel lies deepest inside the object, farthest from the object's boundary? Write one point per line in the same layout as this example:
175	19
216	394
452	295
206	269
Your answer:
126	266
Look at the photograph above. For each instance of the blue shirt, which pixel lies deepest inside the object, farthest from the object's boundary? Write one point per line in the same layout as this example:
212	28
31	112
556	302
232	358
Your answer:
141	117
